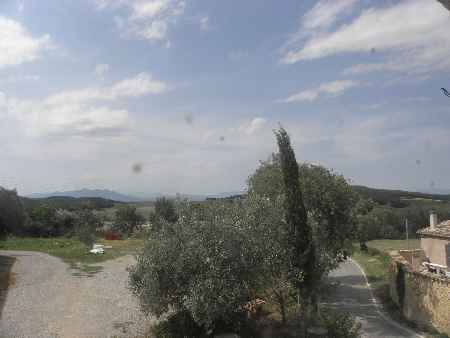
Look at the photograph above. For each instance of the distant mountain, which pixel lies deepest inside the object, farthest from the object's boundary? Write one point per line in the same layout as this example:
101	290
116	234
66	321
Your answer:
100	193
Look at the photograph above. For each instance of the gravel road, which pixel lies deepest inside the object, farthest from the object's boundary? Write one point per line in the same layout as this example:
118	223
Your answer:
354	296
51	300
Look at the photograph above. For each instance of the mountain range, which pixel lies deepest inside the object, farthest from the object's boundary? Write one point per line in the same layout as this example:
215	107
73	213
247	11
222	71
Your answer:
119	197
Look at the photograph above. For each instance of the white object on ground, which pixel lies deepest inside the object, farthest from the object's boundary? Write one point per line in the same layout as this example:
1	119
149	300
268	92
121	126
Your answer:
97	249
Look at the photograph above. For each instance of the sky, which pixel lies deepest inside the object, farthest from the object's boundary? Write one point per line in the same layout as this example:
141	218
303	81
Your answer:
146	96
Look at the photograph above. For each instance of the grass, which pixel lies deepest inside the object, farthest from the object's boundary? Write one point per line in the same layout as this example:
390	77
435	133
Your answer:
375	264
386	245
71	250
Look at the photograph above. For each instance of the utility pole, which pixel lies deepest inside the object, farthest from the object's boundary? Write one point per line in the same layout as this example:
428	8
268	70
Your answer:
407	232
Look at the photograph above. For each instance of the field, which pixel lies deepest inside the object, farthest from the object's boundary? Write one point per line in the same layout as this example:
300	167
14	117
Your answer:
73	251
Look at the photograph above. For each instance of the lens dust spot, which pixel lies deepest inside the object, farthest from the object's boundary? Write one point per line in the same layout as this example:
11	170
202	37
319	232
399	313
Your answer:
137	168
432	184
189	119
418	162
222	138
373	50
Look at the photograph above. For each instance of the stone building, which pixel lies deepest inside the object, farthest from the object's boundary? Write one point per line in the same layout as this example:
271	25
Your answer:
435	242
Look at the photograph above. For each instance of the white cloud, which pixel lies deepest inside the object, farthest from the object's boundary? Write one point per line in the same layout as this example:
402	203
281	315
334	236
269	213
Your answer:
418	42
101	70
76	113
326	12
204	23
253	126
334	88
140	85
17	45
144	19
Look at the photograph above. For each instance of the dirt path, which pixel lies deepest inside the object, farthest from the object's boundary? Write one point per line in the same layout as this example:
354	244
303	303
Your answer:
50	299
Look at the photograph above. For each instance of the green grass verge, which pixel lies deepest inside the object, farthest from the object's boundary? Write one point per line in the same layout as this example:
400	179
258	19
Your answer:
71	250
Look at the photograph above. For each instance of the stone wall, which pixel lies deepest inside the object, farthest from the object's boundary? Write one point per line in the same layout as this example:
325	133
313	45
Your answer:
423	298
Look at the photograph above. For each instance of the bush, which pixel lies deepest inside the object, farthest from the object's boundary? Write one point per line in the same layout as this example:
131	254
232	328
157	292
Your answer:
182	325
202	264
127	220
86	225
340	325
179	325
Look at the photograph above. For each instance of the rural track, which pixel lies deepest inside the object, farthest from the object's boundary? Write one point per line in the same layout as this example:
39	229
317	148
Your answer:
49	299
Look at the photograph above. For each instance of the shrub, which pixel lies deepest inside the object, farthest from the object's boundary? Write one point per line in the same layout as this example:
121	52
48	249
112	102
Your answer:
127	220
179	325
340	325
86	225
203	266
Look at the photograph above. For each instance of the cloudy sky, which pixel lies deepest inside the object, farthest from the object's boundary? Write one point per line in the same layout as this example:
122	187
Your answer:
182	95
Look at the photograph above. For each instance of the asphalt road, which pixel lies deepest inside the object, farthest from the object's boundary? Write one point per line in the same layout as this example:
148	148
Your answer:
353	295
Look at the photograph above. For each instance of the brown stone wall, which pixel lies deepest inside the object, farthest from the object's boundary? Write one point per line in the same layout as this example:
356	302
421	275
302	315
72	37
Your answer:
422	297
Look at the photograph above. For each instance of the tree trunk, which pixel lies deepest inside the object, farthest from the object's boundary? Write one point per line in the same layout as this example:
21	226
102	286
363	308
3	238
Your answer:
282	304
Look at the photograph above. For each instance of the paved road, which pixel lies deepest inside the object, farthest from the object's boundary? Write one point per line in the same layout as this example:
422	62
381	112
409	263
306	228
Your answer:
50	300
353	295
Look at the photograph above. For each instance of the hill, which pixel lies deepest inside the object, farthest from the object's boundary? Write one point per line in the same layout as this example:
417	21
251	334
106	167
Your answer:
89	193
68	203
396	198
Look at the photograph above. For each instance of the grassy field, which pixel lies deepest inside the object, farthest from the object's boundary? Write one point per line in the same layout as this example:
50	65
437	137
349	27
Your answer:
72	251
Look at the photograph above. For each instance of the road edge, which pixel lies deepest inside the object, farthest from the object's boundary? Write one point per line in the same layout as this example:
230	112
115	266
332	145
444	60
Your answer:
379	308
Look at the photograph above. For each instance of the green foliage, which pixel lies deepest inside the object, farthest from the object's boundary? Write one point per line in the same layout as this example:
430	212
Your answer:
267	181
178	325
206	263
341	325
300	233
165	212
86	225
68	203
395	198
12	214
127	219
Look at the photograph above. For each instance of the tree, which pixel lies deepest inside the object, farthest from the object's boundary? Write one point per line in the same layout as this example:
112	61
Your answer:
12	213
86	224
303	255
127	219
43	222
165	209
202	264
329	202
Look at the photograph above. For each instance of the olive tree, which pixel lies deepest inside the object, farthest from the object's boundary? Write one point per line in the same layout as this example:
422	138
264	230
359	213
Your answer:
201	264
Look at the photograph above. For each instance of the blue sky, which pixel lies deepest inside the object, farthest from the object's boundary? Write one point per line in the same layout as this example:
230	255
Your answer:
190	91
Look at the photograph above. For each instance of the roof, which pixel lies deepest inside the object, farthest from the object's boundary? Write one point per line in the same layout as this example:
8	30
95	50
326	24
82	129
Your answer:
442	230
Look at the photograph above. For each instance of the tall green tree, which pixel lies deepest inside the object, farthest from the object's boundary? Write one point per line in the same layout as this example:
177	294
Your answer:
303	256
